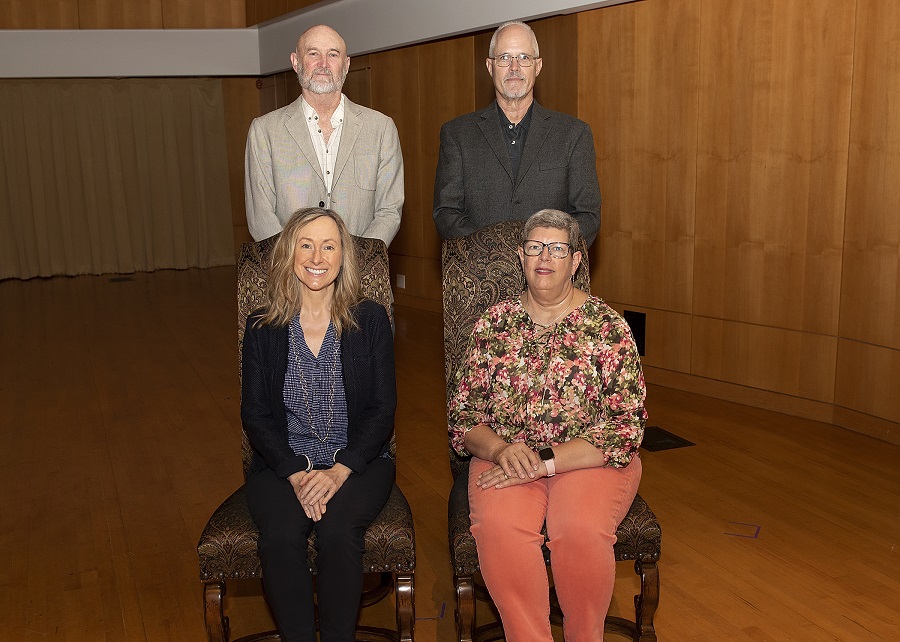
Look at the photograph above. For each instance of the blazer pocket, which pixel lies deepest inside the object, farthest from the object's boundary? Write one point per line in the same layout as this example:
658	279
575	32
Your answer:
365	171
549	164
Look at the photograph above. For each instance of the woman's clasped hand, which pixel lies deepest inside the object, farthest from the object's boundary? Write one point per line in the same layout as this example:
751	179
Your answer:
516	464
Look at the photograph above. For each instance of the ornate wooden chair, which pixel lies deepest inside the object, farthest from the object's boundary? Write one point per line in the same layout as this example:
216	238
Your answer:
227	547
478	271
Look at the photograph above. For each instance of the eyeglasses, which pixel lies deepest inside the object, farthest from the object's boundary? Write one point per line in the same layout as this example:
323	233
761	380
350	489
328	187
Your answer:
504	60
557	249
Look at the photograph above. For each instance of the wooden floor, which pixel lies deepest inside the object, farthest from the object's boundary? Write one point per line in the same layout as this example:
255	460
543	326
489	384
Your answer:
120	436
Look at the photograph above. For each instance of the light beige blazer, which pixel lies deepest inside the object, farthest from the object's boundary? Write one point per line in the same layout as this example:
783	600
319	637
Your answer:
282	173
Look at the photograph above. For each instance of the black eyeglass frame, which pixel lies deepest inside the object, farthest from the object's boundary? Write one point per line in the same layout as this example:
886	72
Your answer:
547	245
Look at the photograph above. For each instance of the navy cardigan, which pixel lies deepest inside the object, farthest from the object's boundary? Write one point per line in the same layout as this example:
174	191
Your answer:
367	359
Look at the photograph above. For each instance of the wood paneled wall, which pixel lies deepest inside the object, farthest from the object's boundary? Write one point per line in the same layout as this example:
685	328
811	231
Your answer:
263	10
748	158
745	211
123	14
637	88
868	364
406	87
39	14
747	154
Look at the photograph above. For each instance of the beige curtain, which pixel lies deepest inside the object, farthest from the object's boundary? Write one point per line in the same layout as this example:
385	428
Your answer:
112	176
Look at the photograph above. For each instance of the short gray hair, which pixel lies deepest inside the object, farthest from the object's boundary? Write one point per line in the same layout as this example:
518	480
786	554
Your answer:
556	219
534	43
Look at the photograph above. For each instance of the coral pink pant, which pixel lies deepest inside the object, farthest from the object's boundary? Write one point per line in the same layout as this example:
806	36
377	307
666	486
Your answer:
582	509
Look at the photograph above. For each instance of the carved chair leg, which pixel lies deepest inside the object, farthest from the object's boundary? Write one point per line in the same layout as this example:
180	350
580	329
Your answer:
213	613
465	607
645	604
406	607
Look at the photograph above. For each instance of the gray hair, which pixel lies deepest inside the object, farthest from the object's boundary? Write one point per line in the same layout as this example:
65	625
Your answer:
556	219
534	43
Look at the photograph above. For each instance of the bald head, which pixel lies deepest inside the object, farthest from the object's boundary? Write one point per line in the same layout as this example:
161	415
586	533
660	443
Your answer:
322	33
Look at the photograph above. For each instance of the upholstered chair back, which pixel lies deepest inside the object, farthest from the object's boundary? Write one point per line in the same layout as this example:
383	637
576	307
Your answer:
480	270
253	274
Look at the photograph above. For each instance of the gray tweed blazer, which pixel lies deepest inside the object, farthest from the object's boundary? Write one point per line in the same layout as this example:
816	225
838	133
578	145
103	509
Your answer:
282	173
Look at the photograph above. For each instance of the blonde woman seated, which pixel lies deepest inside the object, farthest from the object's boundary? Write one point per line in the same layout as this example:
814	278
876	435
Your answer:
317	402
550	404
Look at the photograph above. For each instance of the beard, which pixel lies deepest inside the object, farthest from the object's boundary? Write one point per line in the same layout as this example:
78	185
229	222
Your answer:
330	86
514	92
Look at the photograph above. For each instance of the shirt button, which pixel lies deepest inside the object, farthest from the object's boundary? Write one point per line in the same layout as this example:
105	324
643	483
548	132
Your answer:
327	172
513	143
321	203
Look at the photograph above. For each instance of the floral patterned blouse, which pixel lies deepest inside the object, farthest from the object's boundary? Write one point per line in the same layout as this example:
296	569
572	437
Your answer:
583	379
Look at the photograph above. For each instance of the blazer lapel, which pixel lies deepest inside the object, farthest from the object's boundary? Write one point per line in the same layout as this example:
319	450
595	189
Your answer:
537	135
278	349
350	132
296	125
490	129
349	372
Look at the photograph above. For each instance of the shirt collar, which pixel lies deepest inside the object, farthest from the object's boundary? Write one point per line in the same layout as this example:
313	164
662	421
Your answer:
524	123
336	118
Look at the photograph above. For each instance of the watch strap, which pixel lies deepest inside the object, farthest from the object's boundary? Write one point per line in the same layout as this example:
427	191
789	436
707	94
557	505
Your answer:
551	467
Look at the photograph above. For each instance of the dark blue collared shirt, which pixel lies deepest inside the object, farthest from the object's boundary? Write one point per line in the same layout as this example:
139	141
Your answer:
316	411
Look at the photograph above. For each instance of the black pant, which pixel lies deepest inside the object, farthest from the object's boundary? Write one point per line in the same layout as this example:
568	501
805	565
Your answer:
283	531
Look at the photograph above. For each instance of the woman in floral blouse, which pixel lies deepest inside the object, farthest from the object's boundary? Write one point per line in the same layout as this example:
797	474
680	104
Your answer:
550	404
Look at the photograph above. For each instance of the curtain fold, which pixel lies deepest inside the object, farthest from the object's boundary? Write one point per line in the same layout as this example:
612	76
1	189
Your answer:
112	176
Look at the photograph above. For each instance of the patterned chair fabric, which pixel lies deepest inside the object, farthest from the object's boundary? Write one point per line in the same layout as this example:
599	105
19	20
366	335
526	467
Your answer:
478	271
228	546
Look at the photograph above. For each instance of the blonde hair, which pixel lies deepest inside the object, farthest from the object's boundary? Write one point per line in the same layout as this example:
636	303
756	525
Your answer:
284	293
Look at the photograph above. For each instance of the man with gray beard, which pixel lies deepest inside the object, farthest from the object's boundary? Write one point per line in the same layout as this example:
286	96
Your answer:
514	158
323	150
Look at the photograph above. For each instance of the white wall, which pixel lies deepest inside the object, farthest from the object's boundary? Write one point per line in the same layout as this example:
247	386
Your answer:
366	25
99	53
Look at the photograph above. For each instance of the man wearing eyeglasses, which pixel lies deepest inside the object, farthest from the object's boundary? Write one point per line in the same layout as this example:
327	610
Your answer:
513	158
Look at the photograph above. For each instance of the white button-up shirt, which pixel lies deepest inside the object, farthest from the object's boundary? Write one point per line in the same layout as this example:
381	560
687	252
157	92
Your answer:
326	152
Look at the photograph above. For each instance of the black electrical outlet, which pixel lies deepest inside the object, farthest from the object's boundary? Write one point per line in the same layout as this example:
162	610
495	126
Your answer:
637	321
